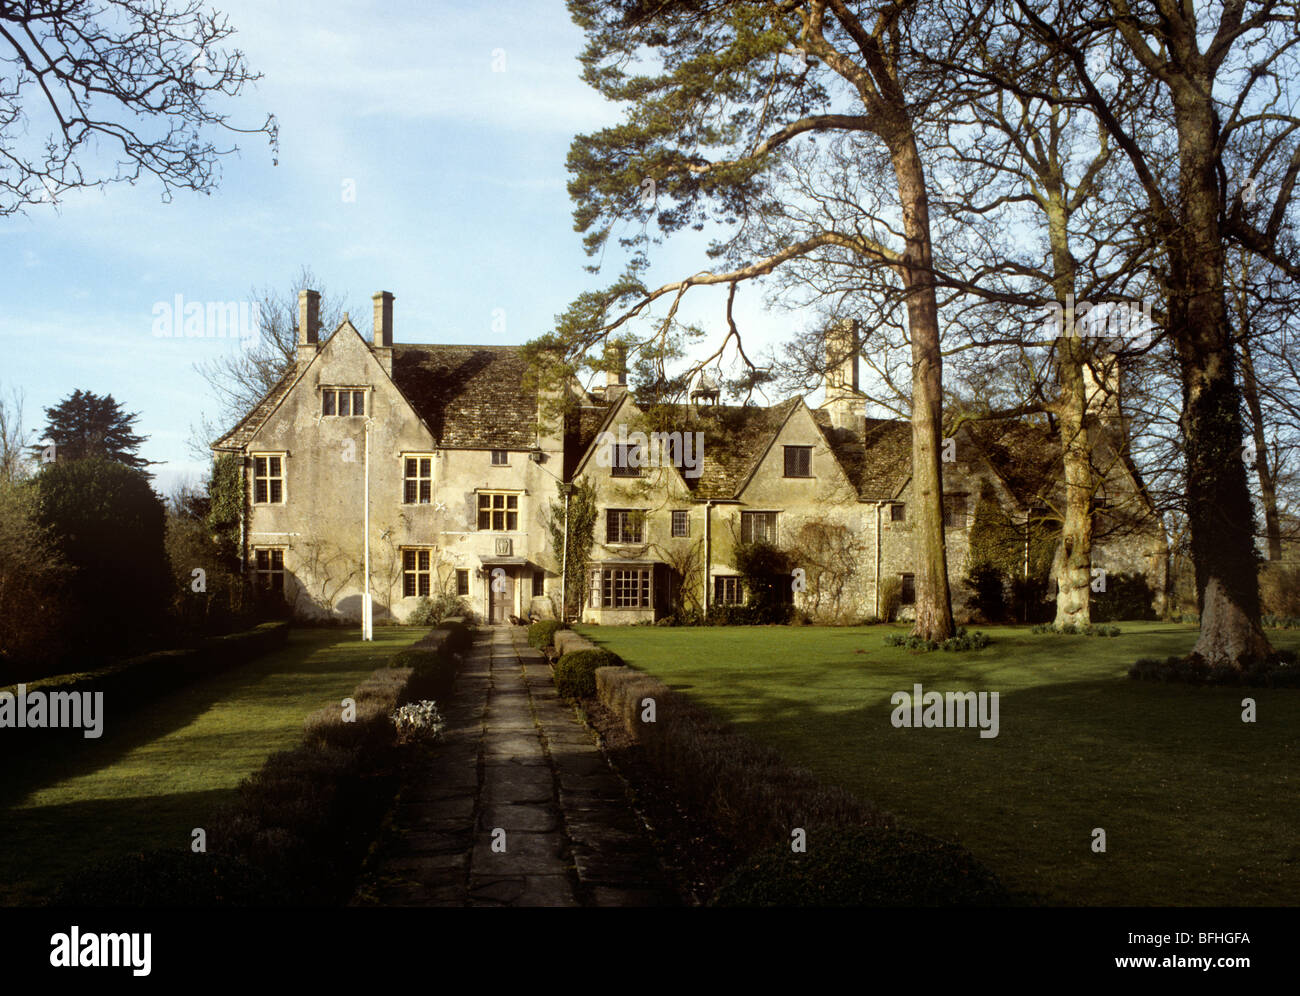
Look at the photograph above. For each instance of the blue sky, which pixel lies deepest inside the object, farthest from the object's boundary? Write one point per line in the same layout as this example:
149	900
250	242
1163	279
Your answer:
460	207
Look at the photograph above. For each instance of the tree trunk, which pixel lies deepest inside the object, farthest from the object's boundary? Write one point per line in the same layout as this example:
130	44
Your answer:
1220	514
1074	561
1267	487
933	598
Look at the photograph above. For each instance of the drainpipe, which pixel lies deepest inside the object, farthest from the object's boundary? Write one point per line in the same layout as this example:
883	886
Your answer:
708	551
877	609
564	568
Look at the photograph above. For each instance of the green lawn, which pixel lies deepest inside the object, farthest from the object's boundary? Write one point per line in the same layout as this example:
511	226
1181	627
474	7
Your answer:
1198	807
164	769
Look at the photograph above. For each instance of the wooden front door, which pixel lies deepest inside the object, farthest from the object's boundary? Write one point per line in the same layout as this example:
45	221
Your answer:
502	602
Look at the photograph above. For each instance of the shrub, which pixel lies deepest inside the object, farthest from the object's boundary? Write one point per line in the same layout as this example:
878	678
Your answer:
986	583
1127	596
432	611
1281	671
541	634
105	521
961	641
575	673
434	672
851	866
1281	622
458	636
170	879
417	721
1071	629
891	597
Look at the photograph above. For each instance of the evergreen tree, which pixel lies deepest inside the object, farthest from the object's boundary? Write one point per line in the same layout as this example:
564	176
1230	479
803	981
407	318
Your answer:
85	424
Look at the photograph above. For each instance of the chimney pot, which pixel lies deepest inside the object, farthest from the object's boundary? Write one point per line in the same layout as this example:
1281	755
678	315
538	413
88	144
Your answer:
383	318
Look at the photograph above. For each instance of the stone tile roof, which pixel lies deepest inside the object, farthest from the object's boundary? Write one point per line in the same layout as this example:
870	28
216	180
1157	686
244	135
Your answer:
471	397
876	454
735	439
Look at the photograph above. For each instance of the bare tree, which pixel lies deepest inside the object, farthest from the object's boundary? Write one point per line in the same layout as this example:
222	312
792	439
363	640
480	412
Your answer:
241	379
15	438
138	80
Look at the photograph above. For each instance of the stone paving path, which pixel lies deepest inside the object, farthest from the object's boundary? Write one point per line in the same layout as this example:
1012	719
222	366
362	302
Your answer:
517	805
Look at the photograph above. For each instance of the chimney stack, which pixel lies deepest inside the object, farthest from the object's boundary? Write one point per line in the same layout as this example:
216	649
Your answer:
383	318
615	371
842	357
308	322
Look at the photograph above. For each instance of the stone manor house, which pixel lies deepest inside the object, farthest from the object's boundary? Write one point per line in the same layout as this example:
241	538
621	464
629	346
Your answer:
455	462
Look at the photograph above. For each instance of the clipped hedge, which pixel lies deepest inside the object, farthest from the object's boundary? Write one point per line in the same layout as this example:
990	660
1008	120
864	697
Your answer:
575	672
541	634
869	866
567	641
747	791
131	683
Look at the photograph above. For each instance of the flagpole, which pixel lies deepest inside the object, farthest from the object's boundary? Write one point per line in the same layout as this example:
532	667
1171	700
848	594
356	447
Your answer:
367	628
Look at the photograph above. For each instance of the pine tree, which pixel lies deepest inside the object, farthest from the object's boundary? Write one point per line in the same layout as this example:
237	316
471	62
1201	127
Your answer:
86	424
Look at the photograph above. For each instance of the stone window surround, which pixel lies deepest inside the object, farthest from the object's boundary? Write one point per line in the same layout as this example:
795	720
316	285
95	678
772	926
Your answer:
281	456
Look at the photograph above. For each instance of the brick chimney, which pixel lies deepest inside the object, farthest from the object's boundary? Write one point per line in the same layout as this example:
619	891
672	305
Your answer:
382	343
308	323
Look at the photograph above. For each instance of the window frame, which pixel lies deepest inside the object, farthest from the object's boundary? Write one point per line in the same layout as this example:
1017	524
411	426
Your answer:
625	515
539	582
907	592
270	571
407	479
505	458
898	511
721	584
269	478
950	508
685	514
747	520
611	586
800	451
335	392
509	506
462	582
623	468
418	572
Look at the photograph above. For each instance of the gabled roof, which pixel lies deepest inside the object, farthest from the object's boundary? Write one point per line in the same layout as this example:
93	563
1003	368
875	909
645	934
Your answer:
876	458
470	397
736	437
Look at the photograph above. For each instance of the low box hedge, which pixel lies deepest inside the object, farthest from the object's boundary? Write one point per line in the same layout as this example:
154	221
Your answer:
575	673
541	634
863	867
131	683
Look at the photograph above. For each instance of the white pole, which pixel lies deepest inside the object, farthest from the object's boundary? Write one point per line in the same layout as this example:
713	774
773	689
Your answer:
367	631
564	568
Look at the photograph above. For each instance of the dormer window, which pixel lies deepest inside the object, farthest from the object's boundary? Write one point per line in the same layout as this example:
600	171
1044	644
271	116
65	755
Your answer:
343	401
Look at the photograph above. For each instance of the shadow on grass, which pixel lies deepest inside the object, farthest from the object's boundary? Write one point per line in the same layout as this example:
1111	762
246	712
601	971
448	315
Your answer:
90	831
70	756
1196	805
